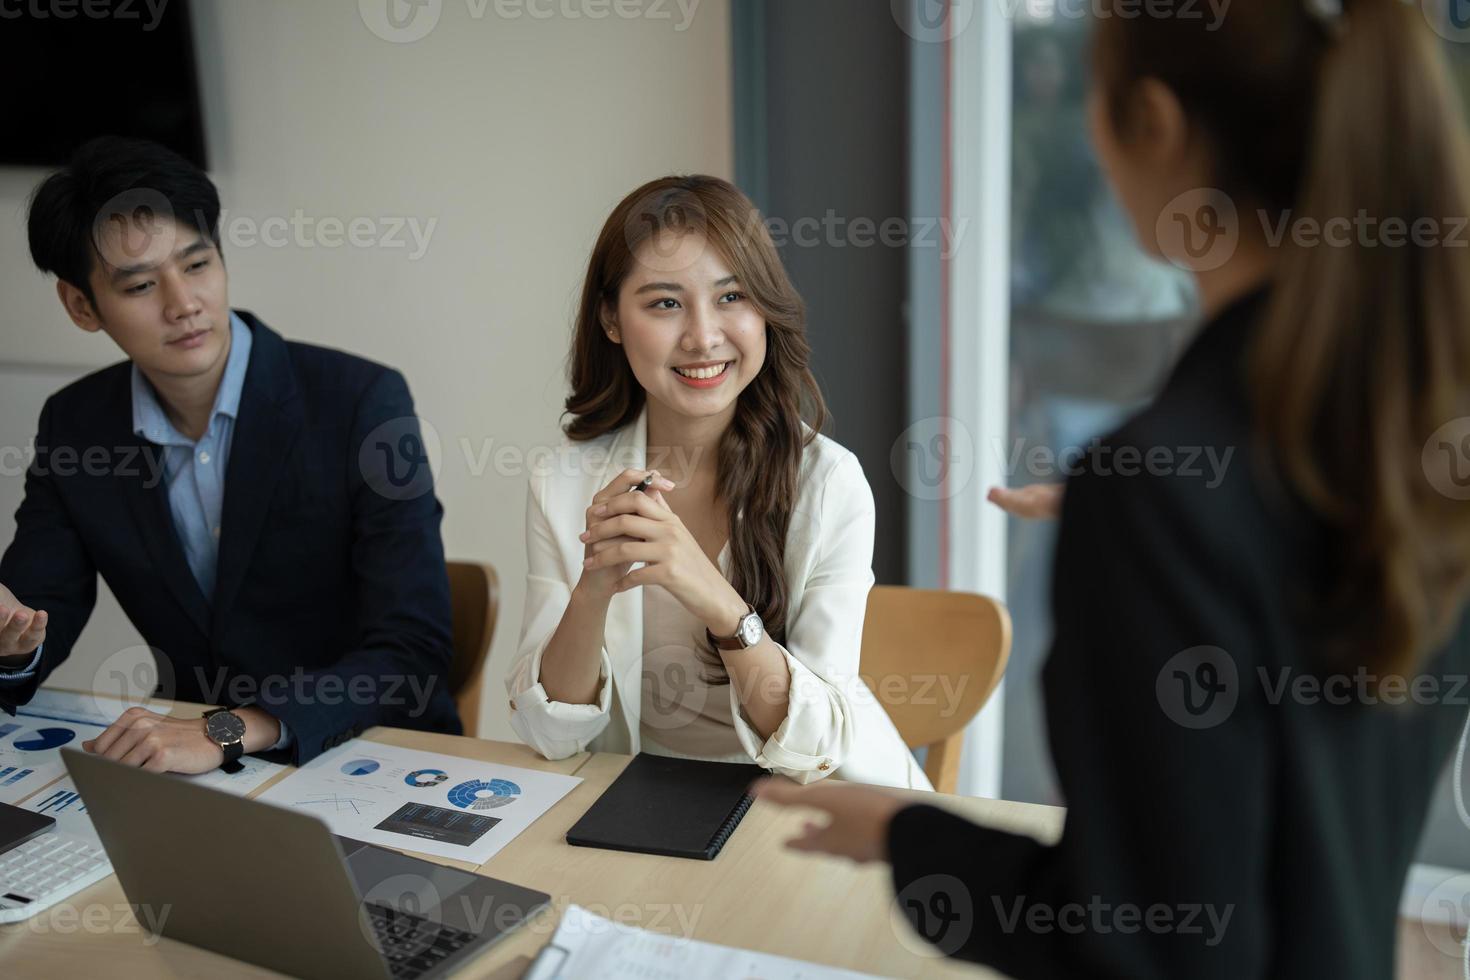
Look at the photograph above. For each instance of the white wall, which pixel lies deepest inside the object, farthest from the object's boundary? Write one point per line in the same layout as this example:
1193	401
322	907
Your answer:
515	135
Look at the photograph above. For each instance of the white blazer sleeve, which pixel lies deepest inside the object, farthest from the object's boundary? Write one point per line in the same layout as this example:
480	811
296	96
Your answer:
553	728
824	638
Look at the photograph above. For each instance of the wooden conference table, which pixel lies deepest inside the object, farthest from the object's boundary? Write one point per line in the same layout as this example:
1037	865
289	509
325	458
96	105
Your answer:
755	895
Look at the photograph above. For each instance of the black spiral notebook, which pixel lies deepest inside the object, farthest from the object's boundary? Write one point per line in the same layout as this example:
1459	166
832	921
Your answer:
677	807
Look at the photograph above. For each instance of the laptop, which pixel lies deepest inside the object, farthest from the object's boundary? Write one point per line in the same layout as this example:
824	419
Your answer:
274	887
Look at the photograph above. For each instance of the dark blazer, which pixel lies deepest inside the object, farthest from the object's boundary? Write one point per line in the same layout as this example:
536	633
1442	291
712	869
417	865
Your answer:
1195	779
331	607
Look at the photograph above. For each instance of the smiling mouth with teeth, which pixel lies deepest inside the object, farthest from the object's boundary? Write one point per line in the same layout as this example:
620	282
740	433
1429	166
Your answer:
704	373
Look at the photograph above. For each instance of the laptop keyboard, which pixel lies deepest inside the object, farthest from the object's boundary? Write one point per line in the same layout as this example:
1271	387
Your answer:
412	944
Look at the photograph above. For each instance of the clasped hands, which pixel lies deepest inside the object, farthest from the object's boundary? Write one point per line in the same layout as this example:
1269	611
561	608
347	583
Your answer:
624	528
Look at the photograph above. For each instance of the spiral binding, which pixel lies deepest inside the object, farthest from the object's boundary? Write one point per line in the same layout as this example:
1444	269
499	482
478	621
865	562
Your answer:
727	828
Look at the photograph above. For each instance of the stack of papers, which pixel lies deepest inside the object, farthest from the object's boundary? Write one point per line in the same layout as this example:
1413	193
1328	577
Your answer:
587	945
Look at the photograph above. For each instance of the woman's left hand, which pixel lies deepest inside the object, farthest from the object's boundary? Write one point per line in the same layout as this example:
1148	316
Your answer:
857	816
670	555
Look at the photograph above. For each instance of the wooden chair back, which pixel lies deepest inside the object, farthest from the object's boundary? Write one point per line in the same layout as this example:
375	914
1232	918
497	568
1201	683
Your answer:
474	596
932	660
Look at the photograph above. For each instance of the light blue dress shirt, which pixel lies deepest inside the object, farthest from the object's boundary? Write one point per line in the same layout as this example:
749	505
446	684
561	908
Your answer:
193	471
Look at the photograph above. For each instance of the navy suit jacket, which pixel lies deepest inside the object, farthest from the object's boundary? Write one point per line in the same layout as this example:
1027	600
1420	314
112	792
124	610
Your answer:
331	608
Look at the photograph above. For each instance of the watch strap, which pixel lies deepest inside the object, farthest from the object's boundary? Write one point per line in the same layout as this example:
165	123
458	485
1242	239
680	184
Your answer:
232	763
724	643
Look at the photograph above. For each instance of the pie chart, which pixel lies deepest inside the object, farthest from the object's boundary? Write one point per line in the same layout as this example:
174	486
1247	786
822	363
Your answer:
426	777
480	794
359	767
44	738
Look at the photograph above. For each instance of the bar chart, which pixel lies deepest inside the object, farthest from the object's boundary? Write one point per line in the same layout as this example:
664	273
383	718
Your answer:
61	801
10	775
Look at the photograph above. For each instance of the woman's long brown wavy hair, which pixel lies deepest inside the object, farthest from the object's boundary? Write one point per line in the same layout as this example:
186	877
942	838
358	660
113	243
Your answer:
777	414
1364	352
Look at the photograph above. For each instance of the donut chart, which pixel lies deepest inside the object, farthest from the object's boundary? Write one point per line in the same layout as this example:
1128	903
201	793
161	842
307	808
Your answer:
479	794
426	777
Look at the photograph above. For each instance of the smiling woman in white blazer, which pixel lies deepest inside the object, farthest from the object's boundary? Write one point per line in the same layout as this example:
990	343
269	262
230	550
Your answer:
718	614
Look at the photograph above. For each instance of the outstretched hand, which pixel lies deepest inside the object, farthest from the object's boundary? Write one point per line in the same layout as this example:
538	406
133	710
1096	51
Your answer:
22	628
1038	502
857	816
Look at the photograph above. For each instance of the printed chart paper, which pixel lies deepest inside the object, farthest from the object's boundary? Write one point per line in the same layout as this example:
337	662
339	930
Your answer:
31	743
420	801
62	801
587	945
256	771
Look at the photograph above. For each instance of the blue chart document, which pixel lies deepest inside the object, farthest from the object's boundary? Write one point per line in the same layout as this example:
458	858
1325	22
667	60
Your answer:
420	801
31	744
588	945
62	801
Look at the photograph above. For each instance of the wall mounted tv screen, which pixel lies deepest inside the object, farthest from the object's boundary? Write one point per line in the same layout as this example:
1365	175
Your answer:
75	69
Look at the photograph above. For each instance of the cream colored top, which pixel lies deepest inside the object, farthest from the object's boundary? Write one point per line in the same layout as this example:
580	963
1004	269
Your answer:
683	714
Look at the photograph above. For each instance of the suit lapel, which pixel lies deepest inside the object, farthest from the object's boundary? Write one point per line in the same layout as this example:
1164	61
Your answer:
147	496
266	427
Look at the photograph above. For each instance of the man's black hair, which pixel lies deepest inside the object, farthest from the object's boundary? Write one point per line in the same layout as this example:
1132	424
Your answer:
123	176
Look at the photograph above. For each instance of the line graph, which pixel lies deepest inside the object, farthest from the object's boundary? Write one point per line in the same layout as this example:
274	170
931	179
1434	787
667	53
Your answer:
337	803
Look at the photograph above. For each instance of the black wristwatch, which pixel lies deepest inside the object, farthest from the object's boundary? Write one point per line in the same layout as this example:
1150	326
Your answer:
226	729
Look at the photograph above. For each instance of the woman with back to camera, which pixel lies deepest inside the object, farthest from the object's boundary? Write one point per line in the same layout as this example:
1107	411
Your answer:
1228	693
699	557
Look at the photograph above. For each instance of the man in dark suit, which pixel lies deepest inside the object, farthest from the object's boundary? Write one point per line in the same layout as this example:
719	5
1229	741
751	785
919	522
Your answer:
262	509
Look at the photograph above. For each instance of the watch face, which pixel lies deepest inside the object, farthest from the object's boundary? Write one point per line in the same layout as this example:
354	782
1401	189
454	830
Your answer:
225	726
751	630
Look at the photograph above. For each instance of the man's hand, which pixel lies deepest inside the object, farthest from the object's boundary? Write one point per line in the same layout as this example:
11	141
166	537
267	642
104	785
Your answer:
858	816
158	743
22	629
